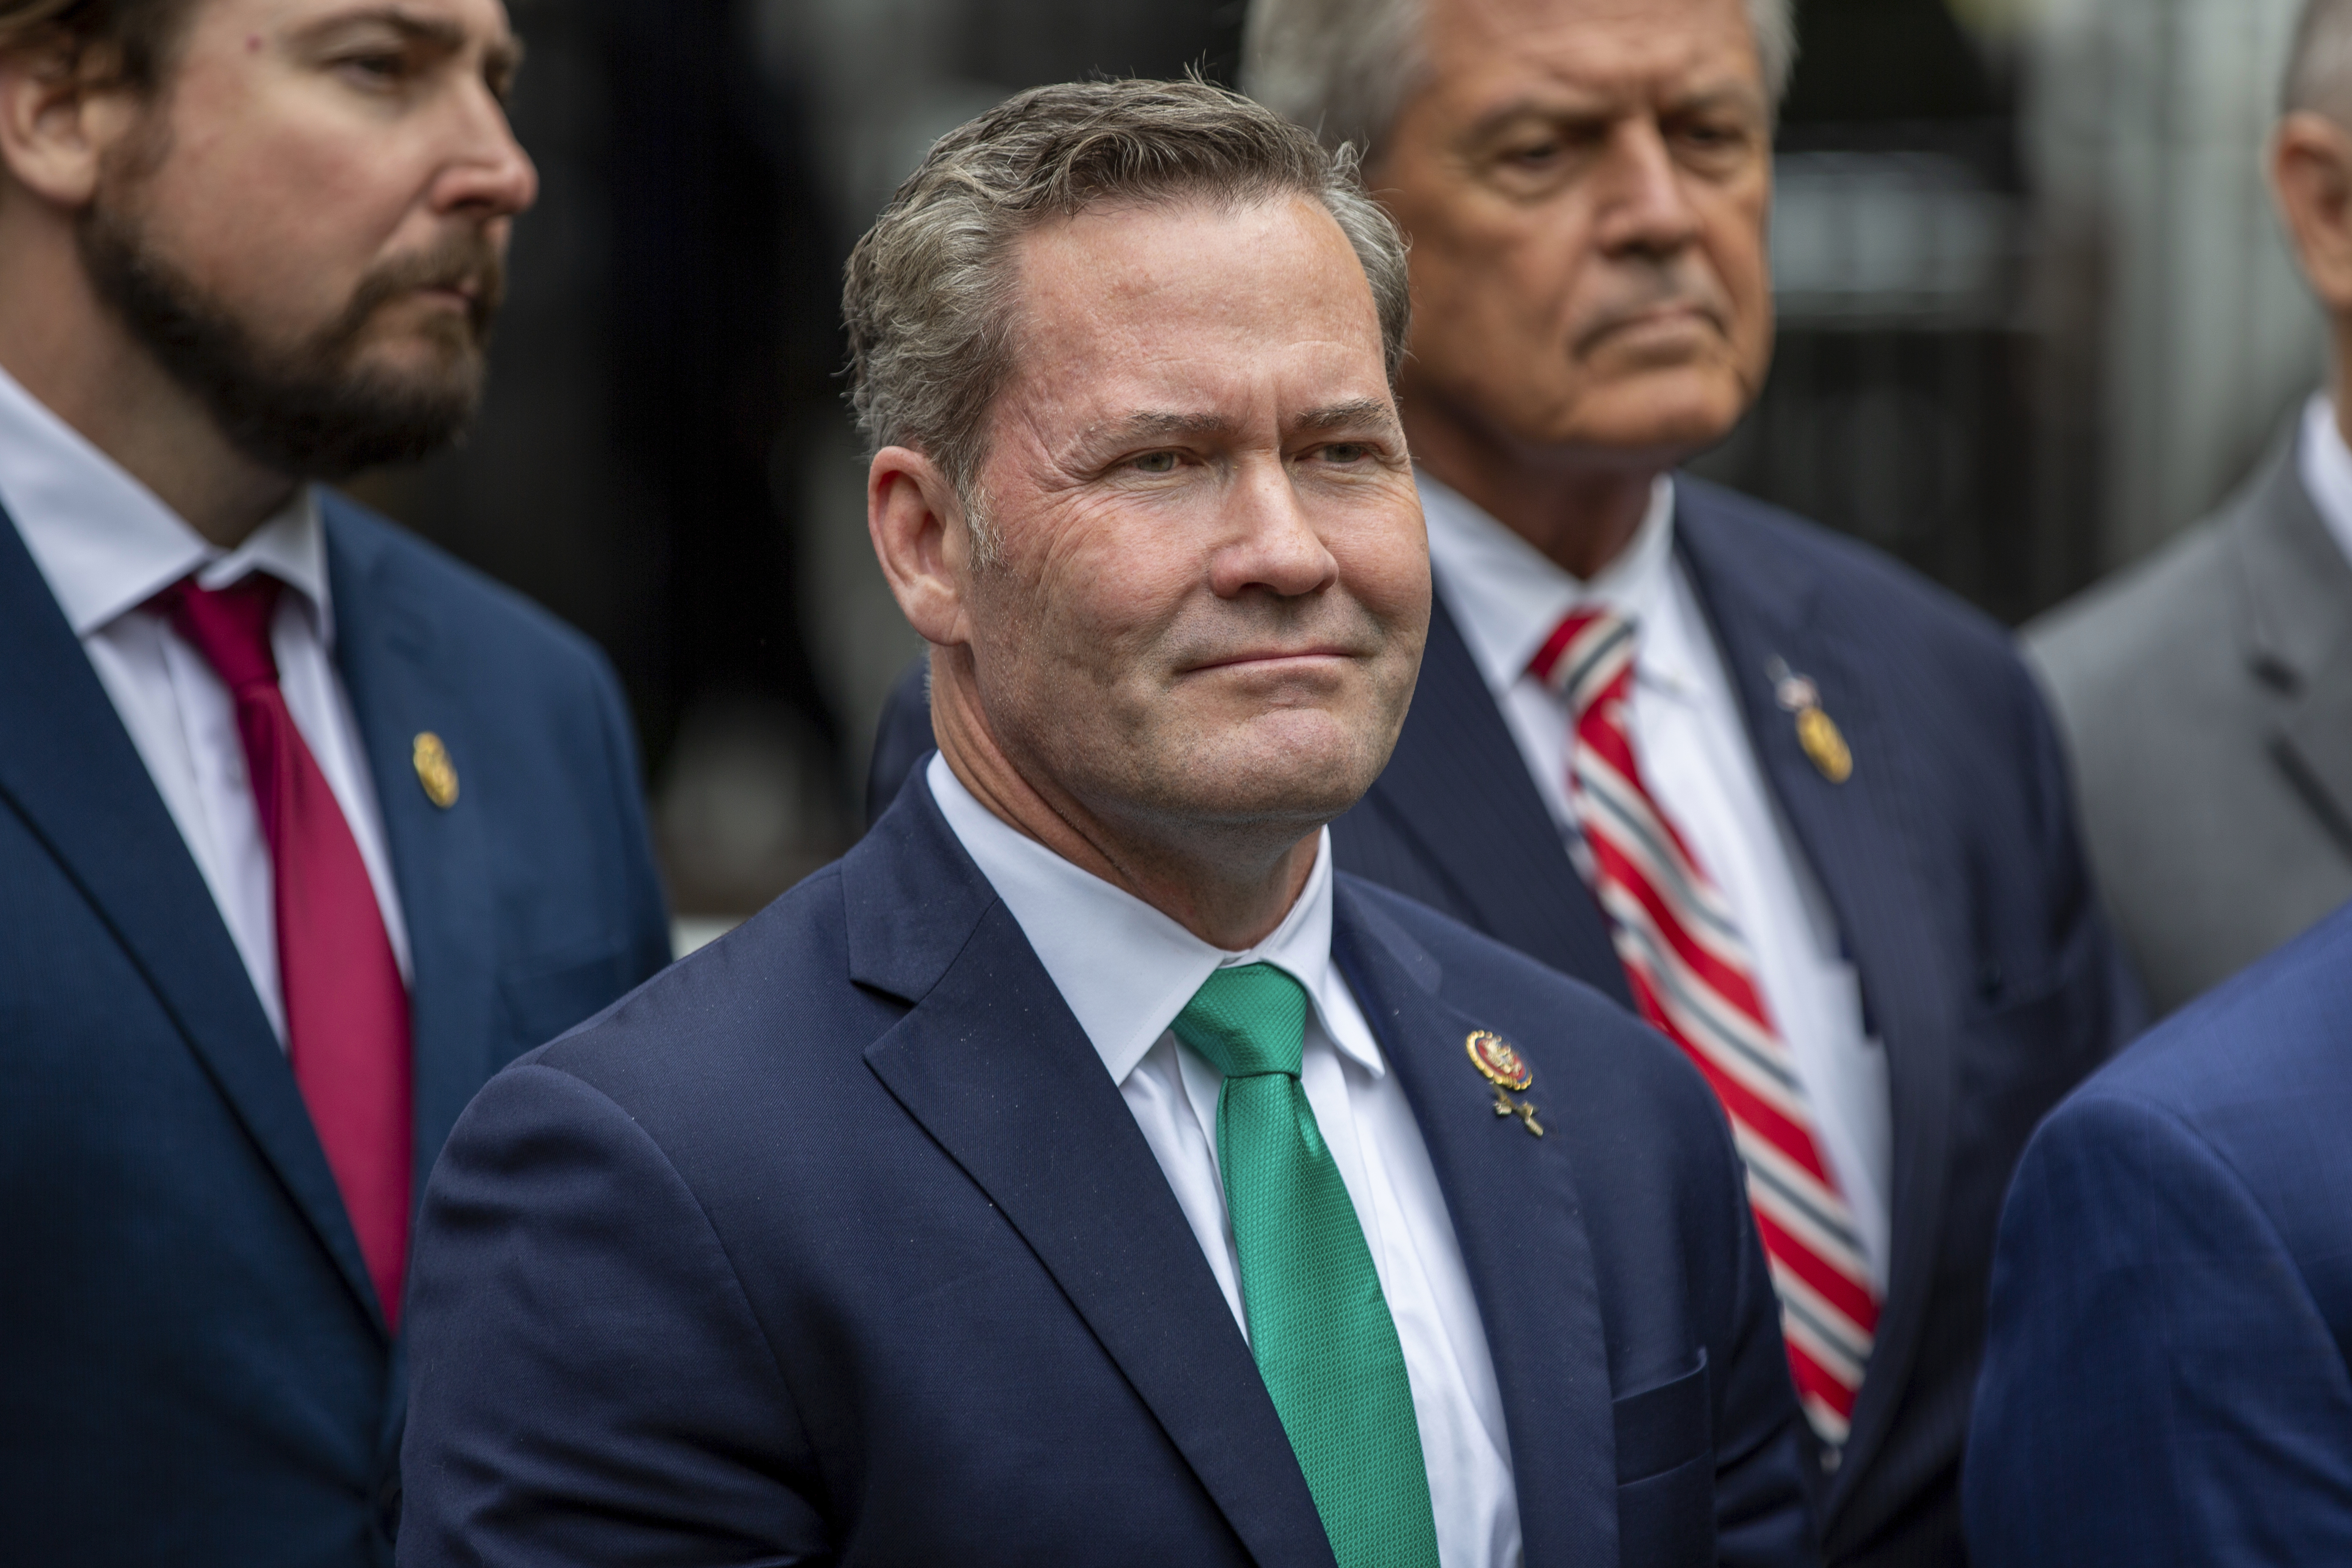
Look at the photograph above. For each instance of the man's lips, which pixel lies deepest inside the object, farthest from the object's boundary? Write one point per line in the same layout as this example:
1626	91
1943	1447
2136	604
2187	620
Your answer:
1657	317
1264	657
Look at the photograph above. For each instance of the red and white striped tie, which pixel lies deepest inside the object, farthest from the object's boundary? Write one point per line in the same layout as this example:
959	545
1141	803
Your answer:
1693	979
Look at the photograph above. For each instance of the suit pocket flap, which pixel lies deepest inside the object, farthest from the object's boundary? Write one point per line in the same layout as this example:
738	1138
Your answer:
1665	1426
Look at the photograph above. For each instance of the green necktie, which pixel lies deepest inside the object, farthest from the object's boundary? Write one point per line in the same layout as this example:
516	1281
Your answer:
1318	1325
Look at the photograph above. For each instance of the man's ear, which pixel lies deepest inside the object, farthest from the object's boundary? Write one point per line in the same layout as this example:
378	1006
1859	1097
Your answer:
58	119
923	540
2311	175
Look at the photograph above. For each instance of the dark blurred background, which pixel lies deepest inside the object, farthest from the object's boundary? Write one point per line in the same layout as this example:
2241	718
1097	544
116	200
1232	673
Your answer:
2034	318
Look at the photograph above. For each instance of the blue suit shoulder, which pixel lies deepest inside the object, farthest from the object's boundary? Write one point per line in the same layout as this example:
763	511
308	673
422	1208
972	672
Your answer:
527	645
1863	593
2166	1377
760	1001
2276	1026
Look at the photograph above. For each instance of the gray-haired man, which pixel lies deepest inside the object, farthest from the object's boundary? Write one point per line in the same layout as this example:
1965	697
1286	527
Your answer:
2207	693
1819	834
1082	1171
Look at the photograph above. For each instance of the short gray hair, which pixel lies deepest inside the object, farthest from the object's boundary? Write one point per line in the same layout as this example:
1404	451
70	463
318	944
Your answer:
1345	69
930	296
2319	67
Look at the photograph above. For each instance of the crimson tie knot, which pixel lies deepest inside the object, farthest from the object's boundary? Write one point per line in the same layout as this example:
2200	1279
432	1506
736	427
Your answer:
229	626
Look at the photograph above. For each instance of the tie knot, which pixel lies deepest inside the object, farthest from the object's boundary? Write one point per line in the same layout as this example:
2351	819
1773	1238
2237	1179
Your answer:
229	626
1588	654
1247	1022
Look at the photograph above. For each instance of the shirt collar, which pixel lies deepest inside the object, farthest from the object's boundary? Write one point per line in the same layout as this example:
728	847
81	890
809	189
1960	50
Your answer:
2324	464
107	544
1125	969
1508	596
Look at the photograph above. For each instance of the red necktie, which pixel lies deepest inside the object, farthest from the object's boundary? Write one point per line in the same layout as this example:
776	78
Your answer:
1693	979
346	1008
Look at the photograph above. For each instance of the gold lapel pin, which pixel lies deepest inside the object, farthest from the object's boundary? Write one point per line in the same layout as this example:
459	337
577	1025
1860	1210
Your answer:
1817	734
433	770
1505	1069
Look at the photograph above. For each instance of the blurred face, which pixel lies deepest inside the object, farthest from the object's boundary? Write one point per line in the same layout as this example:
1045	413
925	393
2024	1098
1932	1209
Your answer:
1212	581
1587	185
310	225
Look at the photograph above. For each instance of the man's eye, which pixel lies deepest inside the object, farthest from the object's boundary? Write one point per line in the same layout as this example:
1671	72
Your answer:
1155	462
1346	452
1533	152
374	70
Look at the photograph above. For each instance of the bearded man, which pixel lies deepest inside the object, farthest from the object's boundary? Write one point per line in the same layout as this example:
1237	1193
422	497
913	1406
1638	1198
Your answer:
307	829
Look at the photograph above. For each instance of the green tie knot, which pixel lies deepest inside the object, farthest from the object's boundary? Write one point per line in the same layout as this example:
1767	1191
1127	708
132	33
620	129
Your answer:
1247	1022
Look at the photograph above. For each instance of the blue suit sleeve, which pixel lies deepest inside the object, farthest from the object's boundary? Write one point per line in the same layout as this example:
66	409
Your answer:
589	1385
2159	1386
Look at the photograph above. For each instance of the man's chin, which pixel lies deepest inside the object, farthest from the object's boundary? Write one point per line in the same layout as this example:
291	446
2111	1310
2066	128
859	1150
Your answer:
1674	409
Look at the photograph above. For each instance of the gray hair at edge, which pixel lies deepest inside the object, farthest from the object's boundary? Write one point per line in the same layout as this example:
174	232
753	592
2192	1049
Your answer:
1346	68
2319	67
930	294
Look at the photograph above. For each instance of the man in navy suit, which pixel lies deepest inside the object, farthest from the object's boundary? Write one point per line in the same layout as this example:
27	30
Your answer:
2168	1379
1814	825
1083	1171
305	829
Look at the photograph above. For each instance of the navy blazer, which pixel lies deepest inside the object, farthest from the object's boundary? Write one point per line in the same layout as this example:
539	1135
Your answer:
2169	1377
195	1369
835	1243
1951	858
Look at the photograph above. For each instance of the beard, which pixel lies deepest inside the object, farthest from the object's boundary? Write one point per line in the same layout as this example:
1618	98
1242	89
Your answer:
313	410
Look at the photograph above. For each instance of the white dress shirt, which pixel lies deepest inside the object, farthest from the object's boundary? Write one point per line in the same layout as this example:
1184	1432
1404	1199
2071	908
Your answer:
1127	970
2324	466
1692	746
106	545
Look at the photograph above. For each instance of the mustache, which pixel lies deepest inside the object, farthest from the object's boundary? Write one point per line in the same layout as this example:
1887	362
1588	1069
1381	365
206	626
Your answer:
1650	289
467	262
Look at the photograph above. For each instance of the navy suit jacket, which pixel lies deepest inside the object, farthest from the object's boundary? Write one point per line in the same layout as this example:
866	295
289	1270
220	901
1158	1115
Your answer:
193	1366
2168	1379
1951	858
835	1243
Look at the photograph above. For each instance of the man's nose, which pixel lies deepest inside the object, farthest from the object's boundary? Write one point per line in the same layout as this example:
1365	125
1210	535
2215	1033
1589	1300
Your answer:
1645	208
1273	544
488	174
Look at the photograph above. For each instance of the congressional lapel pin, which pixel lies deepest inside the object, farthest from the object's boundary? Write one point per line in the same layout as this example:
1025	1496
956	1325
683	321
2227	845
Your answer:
1817	734
433	770
1504	1068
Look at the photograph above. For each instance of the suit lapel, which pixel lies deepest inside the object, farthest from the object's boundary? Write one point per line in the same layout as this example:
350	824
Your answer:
1458	786
85	791
1859	839
401	680
1529	1260
994	1067
2296	583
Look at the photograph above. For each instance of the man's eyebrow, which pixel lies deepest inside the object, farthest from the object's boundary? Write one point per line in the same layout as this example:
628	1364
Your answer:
1353	414
501	56
1581	108
434	30
1162	424
1154	424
